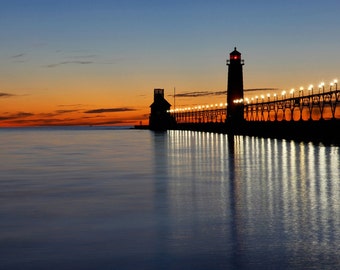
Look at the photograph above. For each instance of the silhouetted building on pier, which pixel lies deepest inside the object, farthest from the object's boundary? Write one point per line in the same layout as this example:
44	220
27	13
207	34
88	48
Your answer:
160	118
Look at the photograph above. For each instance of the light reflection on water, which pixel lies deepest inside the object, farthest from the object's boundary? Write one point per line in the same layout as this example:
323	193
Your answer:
126	199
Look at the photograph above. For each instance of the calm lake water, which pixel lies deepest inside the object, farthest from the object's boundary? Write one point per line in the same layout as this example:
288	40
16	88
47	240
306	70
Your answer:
102	198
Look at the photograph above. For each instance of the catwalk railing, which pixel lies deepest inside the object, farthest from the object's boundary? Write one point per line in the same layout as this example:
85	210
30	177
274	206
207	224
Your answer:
313	107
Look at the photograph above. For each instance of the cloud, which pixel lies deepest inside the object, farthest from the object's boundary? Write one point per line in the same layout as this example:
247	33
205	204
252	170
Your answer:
193	94
6	95
65	111
41	122
16	116
217	93
111	110
24	114
18	55
201	94
70	62
83	56
79	105
259	89
114	122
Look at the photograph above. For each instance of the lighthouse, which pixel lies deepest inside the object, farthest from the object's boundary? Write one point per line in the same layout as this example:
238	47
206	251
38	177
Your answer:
235	88
160	118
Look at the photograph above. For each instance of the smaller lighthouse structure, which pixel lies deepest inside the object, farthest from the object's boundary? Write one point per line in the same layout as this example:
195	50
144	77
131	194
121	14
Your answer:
235	88
160	118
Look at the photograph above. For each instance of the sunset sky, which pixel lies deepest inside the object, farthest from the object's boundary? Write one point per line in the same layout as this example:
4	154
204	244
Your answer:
86	62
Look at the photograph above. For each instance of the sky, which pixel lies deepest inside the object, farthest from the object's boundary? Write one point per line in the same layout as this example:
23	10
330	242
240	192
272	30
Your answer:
96	62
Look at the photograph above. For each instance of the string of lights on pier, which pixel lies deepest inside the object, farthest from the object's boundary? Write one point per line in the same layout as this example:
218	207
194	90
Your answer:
285	94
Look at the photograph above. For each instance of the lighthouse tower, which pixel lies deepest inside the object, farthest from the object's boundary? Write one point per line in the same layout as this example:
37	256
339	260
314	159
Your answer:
235	88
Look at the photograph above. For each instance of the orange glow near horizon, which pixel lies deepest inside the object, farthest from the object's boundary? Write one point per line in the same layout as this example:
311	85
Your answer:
55	108
65	108
73	114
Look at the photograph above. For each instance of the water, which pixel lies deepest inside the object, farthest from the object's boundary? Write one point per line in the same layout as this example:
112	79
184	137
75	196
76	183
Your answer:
90	198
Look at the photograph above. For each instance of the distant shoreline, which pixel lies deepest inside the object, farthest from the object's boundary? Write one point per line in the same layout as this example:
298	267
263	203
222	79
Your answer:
141	127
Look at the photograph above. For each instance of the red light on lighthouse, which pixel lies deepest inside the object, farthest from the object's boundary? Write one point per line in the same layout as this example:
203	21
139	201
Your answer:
235	55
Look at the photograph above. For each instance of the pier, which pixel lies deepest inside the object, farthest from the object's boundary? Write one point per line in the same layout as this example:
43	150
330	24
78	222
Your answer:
311	114
310	107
